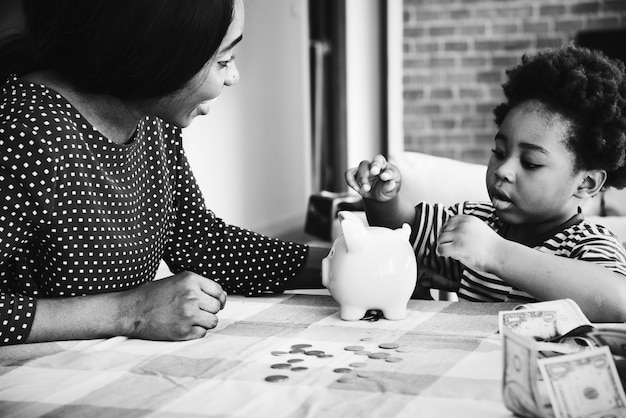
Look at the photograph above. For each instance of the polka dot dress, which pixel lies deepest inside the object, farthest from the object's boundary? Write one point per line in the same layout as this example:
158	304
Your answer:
81	215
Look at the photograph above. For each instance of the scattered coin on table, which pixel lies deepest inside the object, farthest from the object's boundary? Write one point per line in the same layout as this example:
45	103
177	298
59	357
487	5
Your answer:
342	370
347	378
388	346
354	348
300	346
394	359
299	369
276	378
294	360
281	366
379	356
278	353
358	364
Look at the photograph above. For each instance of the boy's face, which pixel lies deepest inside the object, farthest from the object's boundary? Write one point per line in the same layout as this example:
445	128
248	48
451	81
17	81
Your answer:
530	176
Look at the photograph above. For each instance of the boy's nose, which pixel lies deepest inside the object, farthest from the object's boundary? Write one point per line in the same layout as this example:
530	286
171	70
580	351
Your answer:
505	172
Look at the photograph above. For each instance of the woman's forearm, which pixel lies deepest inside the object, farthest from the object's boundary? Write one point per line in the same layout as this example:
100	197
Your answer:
81	317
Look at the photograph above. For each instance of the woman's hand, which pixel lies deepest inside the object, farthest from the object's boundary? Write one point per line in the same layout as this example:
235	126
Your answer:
470	241
180	307
377	179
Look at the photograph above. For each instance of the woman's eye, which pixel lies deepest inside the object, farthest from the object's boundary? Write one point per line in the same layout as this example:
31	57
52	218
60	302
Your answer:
225	63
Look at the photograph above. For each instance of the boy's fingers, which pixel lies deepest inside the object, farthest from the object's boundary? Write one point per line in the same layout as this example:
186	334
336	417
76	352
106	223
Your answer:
379	163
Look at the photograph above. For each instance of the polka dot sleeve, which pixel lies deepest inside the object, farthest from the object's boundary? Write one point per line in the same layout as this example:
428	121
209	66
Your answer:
241	261
18	208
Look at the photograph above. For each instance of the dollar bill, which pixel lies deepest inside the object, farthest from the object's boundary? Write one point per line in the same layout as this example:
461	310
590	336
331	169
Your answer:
615	339
520	390
569	314
584	384
540	324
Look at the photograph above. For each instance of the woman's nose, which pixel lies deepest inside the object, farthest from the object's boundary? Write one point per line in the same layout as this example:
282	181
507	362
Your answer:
232	77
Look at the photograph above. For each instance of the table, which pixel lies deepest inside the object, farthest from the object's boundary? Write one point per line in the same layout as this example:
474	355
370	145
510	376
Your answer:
453	368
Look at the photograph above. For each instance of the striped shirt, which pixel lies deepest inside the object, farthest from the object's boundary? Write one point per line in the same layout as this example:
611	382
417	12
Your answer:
581	240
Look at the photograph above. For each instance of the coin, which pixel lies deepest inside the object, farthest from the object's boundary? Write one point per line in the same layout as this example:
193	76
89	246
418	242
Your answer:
354	348
394	359
366	374
378	356
342	370
388	346
278	353
347	378
357	364
314	352
276	378
296	351
299	369
297	346
325	355
294	360
281	366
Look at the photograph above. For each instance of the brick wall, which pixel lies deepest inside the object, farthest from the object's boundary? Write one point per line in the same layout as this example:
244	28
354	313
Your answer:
455	56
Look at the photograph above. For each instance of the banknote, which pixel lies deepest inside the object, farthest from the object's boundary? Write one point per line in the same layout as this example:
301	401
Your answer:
520	391
541	324
569	314
584	384
615	339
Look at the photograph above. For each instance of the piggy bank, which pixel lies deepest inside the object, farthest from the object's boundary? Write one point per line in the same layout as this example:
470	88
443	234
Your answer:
370	268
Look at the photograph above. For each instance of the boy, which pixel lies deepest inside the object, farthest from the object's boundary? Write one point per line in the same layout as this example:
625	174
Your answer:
561	139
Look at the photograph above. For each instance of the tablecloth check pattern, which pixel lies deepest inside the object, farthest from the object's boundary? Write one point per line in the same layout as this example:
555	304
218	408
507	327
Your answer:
454	368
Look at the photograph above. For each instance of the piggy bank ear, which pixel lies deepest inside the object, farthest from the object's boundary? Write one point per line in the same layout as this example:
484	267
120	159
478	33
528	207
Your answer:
404	232
354	232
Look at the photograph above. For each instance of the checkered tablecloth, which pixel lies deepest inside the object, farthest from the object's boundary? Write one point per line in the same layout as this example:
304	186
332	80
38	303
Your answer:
453	367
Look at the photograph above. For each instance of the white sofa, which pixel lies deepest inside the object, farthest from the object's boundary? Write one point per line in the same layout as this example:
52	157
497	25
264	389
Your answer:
444	180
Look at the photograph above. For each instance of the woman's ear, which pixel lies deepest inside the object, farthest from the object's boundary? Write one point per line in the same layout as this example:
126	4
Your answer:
592	184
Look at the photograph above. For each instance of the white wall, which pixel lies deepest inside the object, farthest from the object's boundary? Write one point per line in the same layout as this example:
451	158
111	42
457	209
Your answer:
395	100
364	101
251	154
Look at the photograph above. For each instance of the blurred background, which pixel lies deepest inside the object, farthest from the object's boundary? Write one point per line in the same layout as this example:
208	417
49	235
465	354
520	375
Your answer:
327	83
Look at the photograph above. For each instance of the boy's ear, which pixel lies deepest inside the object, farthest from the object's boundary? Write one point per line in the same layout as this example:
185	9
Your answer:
592	184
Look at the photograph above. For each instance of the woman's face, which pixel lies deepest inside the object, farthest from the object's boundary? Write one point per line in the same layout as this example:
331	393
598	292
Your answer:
193	99
531	176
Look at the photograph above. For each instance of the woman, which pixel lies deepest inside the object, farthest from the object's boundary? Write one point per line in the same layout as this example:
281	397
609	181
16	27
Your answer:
96	186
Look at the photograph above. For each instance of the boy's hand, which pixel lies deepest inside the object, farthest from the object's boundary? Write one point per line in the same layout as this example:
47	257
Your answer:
470	241
377	179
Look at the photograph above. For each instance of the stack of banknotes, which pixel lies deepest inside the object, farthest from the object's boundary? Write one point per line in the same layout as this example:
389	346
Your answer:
558	364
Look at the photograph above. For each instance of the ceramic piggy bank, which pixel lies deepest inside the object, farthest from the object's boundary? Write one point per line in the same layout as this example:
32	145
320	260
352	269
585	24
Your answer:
370	268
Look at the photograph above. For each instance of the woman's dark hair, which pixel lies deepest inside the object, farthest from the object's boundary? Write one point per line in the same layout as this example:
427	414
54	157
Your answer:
131	49
586	87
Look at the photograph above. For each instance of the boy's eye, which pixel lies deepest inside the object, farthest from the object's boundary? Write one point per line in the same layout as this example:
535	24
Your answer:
498	154
529	165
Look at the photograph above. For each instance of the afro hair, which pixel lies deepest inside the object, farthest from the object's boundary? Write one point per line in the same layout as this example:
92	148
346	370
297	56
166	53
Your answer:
587	88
